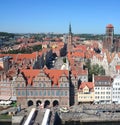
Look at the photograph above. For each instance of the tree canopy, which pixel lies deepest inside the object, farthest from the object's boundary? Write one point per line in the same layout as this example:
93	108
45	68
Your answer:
94	69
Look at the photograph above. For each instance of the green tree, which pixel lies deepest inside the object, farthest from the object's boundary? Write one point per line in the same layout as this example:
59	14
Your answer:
94	69
37	47
64	60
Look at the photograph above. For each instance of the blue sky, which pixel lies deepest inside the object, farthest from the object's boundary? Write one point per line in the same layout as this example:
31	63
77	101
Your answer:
35	16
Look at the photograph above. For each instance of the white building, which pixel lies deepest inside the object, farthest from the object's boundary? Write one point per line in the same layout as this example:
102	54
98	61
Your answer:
116	90
103	89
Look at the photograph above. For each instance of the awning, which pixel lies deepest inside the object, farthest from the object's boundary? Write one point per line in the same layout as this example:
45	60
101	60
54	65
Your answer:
4	97
13	98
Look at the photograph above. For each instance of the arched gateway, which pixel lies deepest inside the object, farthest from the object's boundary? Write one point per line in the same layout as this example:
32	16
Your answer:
38	102
30	103
55	103
46	103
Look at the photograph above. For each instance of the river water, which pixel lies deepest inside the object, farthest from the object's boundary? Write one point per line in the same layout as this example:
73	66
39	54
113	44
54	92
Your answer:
91	123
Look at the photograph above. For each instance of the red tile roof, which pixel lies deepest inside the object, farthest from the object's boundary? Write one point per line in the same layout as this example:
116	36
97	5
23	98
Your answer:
30	74
90	85
109	26
56	74
117	67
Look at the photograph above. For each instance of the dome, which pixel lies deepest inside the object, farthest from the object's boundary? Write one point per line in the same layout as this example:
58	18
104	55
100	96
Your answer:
109	26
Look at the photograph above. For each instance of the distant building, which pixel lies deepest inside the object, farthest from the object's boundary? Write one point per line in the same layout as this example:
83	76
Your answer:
4	62
5	87
108	41
111	43
70	40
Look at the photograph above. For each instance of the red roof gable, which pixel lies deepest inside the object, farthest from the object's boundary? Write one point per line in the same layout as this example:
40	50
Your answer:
117	67
56	74
109	26
30	74
90	85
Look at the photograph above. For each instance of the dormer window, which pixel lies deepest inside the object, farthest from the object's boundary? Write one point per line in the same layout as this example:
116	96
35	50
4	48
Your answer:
61	85
66	84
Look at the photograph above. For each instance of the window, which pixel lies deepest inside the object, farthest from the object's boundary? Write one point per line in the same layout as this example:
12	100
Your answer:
44	85
18	85
40	93
61	93
52	92
66	85
22	85
28	93
65	93
18	93
40	85
48	93
23	93
57	93
36	93
61	85
31	93
44	92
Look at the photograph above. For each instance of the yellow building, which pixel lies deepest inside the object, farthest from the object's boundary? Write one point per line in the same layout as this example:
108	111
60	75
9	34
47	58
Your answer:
86	92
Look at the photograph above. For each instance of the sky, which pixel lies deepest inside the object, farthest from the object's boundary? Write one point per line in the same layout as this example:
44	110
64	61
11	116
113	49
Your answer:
36	16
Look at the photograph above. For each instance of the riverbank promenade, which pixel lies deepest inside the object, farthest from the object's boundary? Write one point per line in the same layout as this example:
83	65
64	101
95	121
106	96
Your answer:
92	113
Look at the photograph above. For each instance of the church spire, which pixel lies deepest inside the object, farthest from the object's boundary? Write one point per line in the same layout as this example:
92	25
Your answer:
70	30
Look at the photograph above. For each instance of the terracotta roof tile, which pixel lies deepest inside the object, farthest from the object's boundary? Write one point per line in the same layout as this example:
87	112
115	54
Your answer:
90	85
29	74
117	67
109	26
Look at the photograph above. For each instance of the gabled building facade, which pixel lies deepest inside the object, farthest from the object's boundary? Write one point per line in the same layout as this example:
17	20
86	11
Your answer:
86	92
48	87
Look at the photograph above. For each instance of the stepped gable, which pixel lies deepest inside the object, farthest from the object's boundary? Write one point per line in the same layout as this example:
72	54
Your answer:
55	75
30	74
110	57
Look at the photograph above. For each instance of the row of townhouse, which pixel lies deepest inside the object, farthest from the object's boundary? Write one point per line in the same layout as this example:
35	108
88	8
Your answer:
103	90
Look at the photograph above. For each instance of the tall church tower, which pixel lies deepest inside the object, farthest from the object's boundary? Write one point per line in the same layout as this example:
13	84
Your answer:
69	44
108	42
